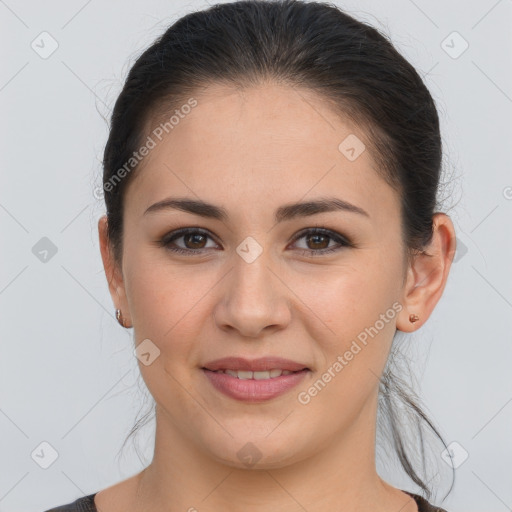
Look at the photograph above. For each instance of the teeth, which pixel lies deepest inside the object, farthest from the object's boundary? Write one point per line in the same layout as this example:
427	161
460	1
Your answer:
244	375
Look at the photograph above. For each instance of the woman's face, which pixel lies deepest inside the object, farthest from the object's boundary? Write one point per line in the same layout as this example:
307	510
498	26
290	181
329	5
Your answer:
260	283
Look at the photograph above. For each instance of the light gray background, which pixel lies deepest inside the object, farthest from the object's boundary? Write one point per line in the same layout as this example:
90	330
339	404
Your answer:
67	373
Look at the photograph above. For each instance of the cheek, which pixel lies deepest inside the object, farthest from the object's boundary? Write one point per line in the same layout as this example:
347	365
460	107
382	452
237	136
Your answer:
166	309
357	307
167	303
344	298
158	292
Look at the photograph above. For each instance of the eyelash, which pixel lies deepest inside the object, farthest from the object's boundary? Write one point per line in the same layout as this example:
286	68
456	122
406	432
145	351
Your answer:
341	240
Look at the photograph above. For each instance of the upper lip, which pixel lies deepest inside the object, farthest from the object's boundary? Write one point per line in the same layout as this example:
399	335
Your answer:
260	364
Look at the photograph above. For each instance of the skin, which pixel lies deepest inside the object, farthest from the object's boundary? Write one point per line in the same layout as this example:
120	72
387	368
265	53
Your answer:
251	152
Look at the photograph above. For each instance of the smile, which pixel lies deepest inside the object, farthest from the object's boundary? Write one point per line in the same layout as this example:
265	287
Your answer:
244	374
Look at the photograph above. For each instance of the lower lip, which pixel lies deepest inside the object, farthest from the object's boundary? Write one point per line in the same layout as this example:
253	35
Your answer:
252	390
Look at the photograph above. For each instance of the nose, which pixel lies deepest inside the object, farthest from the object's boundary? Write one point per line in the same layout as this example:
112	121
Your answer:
253	299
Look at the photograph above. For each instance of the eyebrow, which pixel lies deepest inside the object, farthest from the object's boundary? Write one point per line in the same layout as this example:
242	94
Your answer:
283	213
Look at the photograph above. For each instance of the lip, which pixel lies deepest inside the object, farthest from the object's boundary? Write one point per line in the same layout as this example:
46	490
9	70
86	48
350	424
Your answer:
254	365
252	390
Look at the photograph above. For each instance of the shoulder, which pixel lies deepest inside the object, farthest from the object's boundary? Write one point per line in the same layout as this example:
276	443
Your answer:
84	504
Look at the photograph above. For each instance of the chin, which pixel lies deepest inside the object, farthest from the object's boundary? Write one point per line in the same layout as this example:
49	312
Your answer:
253	450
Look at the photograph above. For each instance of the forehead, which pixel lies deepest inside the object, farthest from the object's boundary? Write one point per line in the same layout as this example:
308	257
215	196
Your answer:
268	142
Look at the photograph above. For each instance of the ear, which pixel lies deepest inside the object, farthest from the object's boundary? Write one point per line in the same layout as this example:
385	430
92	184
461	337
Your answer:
113	272
427	275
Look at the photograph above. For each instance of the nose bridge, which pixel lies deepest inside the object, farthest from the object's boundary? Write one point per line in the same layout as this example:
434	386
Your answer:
250	284
251	300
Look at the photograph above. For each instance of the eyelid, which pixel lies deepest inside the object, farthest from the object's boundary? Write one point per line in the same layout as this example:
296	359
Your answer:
178	233
338	237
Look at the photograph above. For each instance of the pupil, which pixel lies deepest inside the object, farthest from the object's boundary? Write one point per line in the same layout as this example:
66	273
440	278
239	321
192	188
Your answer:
194	236
315	238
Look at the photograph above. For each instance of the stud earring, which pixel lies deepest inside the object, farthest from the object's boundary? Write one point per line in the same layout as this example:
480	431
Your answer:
413	318
119	317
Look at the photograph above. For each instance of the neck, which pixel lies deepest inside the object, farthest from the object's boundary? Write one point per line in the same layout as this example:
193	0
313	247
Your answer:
339	475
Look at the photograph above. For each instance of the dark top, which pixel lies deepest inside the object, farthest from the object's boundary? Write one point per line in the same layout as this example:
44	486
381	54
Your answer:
86	504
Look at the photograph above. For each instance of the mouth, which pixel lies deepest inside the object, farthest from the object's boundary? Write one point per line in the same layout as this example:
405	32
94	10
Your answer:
254	380
256	375
255	366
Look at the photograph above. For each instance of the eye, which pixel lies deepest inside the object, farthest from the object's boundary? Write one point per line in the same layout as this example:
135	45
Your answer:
320	239
195	240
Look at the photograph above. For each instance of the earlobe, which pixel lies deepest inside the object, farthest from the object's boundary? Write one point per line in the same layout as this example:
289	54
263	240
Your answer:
427	275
